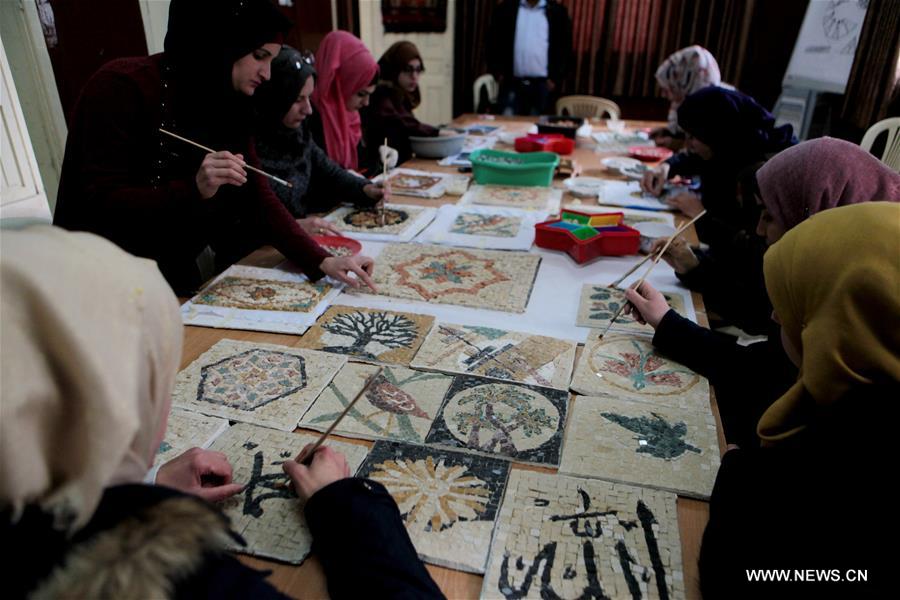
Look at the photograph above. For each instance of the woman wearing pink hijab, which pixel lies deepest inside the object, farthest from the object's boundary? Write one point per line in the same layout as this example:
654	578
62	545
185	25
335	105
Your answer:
347	77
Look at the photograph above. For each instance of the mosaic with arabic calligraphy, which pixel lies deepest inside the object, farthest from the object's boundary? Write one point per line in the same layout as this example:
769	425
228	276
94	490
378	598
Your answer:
448	500
399	404
520	422
564	537
599	303
499	354
466	277
265	384
628	366
267	513
642	444
263	294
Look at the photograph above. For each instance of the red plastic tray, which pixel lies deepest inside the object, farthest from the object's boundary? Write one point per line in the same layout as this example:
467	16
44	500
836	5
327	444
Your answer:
649	153
545	142
585	236
330	242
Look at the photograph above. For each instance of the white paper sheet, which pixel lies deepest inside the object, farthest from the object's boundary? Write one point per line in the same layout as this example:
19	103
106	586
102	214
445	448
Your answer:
257	320
628	194
440	230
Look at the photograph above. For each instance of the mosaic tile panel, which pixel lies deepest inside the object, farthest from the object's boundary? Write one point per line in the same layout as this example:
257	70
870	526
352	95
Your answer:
628	366
448	500
367	220
564	537
407	182
186	430
634	442
517	197
521	422
599	303
399	405
264	384
470	223
263	294
368	334
498	354
268	513
465	277
632	219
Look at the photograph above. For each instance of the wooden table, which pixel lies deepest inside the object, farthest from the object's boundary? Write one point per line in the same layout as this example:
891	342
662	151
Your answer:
307	580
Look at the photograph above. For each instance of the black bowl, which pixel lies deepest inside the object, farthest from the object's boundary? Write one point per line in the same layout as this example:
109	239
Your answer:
563	124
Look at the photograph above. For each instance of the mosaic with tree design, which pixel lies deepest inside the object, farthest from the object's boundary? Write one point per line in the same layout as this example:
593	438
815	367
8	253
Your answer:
448	500
521	422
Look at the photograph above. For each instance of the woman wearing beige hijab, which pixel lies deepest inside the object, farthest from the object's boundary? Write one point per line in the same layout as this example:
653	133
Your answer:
91	342
817	494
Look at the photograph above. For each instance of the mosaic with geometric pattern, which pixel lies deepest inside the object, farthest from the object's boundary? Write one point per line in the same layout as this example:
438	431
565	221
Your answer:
399	405
263	294
366	220
638	443
521	422
448	500
535	197
479	278
482	224
186	430
628	366
257	383
599	303
368	333
267	513
565	537
499	354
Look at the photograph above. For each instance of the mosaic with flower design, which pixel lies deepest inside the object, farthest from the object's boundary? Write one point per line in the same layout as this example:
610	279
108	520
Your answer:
263	294
479	278
629	366
448	500
484	224
599	303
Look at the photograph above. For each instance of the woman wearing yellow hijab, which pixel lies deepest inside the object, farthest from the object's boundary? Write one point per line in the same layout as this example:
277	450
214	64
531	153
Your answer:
816	495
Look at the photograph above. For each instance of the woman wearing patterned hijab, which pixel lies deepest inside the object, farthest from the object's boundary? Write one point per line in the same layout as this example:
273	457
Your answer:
91	344
817	494
287	149
680	75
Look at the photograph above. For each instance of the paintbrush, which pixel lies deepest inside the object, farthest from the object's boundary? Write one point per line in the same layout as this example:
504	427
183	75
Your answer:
637	286
306	457
246	166
637	265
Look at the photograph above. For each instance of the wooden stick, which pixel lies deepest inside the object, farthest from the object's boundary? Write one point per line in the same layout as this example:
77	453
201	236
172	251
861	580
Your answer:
385	178
637	266
640	281
306	459
246	166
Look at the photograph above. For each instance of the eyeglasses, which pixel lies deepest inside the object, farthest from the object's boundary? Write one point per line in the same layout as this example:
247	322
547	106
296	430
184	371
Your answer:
409	69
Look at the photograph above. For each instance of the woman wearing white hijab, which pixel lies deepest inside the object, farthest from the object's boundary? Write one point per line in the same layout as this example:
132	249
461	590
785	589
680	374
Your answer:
90	347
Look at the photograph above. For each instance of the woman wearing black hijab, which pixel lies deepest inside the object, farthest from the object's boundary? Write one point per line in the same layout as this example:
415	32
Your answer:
160	198
286	147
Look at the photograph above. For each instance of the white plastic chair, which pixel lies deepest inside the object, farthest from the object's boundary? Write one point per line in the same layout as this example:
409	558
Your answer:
487	82
891	154
587	107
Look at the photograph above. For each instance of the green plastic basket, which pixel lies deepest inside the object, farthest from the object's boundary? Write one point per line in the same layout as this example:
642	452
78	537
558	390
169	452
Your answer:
527	168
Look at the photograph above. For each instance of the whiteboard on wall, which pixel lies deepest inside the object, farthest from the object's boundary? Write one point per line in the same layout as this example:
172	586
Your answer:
826	45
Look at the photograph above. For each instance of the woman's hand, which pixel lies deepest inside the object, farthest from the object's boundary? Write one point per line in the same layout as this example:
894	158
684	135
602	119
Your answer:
340	267
646	305
377	192
687	202
679	254
654	180
327	466
199	472
318	226
218	169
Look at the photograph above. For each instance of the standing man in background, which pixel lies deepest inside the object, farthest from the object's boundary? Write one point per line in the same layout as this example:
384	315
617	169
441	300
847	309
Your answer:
529	51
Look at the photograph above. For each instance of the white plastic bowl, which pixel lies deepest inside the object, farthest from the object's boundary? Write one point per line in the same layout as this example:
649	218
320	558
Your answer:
441	146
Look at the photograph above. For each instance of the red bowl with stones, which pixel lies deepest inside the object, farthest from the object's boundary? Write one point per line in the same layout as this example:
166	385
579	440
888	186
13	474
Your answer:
338	245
